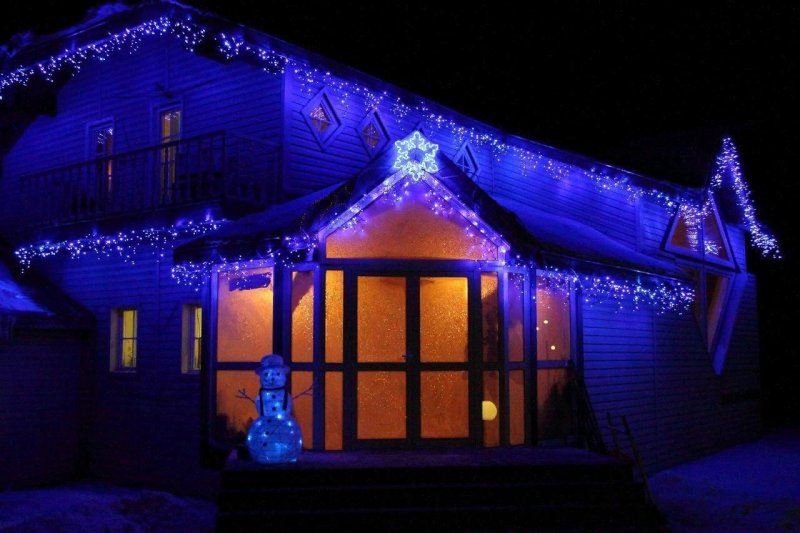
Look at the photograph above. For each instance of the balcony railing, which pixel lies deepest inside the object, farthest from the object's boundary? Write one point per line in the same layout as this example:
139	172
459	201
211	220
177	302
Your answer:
212	167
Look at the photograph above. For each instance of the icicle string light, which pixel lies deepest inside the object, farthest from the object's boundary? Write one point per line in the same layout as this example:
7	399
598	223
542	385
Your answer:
312	79
727	167
125	244
672	296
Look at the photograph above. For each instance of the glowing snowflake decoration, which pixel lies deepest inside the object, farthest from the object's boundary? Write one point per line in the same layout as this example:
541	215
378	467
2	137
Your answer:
415	156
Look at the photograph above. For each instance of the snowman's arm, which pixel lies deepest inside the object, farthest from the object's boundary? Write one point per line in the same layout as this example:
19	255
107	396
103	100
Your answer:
308	392
242	395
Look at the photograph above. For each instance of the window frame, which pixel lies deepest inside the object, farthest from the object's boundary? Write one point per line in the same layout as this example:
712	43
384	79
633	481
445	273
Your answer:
325	137
118	338
191	341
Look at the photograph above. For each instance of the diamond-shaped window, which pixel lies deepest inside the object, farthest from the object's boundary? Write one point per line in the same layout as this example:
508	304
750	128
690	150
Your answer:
321	118
372	133
465	160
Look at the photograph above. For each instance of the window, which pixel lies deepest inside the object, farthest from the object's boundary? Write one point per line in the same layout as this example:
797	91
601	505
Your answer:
373	133
192	332
465	160
102	148
169	131
321	118
699	233
124	330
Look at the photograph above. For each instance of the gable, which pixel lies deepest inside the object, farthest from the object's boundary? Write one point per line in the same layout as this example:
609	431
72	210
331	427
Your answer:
411	219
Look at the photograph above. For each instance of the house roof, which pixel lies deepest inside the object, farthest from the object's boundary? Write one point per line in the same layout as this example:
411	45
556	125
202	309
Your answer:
115	18
548	239
36	303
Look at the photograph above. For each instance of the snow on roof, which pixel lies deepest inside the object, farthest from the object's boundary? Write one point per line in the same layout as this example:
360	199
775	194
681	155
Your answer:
566	236
13	297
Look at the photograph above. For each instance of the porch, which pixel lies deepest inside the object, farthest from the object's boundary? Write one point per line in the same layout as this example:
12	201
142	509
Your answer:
441	489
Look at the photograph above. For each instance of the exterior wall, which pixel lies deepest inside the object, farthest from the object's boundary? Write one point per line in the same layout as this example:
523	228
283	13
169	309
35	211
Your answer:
236	97
146	426
656	370
42	423
311	167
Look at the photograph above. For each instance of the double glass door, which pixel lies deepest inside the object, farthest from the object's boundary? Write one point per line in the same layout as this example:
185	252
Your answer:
412	378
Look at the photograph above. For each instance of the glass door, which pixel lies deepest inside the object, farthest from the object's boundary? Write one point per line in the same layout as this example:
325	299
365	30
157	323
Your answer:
409	376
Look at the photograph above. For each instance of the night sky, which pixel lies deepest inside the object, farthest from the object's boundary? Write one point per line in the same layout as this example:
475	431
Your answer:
647	86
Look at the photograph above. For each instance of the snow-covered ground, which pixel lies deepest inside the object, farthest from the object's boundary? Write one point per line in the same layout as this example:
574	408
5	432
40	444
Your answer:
92	507
750	487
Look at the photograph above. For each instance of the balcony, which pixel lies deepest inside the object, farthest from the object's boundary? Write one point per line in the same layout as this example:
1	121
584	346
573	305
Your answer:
216	167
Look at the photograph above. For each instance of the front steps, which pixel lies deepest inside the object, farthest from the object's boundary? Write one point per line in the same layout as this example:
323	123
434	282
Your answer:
434	490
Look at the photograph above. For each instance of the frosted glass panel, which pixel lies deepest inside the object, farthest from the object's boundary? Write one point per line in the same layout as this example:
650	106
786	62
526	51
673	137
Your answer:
444	402
233	414
552	322
516	320
490	316
244	316
409	229
333	410
381	405
554	404
516	403
303	405
303	316
381	319
334	311
443	319
489	403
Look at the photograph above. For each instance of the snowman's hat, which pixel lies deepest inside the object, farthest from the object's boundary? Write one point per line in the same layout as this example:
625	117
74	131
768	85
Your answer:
272	361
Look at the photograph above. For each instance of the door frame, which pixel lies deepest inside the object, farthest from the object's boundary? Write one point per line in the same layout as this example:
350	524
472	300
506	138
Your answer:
414	367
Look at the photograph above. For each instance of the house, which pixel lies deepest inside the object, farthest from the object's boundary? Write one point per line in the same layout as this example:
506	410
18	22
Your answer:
211	194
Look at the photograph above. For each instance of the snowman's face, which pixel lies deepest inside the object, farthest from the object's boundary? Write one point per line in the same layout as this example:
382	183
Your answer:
273	377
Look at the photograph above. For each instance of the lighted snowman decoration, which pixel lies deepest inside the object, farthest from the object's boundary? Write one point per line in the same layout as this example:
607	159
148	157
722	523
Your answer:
274	437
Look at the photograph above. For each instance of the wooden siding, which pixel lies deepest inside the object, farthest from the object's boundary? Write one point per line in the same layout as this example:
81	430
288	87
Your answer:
235	97
41	424
655	369
146	424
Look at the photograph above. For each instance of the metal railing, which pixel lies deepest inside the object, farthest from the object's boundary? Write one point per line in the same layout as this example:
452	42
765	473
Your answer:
214	166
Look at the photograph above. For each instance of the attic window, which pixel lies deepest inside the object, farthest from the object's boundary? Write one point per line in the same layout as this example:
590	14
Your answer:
373	133
465	160
321	118
699	234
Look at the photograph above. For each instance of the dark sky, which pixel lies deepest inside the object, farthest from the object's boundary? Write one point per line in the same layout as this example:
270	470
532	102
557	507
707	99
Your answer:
650	86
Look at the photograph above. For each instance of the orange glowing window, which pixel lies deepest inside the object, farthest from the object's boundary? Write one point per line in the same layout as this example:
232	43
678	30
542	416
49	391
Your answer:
302	305
552	321
516	317
490	306
334	315
244	315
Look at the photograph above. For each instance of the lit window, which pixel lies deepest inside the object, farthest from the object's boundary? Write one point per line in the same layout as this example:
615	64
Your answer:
700	234
169	133
124	339
102	139
321	118
192	332
373	133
